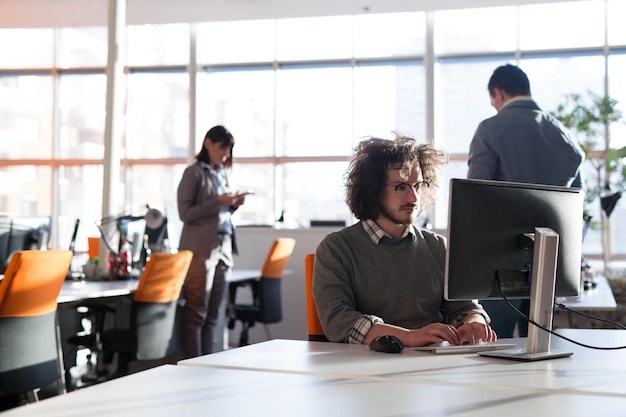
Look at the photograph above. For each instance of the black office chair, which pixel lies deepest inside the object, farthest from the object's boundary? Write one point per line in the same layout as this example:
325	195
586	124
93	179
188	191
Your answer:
29	352
152	333
266	305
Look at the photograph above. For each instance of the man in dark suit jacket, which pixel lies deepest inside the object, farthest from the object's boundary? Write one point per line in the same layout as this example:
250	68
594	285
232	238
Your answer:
521	143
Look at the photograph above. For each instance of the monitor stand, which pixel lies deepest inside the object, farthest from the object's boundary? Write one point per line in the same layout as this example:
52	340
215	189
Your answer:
545	256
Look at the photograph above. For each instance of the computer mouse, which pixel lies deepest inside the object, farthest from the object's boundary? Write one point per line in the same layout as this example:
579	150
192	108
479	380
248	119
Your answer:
588	284
387	344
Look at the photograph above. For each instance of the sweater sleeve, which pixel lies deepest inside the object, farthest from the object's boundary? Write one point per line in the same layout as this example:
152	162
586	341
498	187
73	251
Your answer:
332	290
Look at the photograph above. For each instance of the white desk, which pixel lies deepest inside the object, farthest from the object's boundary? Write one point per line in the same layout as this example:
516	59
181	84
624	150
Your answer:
74	291
587	372
170	390
595	299
243	274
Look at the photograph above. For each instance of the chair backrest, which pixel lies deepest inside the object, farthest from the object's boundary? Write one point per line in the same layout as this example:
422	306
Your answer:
277	257
269	292
314	327
153	314
28	334
163	277
32	282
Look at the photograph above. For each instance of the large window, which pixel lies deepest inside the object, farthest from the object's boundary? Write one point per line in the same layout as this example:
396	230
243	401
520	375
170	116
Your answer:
157	115
241	98
81	116
297	99
26	127
26	48
389	96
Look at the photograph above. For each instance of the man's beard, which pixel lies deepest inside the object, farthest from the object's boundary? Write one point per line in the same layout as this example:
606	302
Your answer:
396	219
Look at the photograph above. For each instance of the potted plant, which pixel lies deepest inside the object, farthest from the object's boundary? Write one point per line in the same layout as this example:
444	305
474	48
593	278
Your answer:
589	119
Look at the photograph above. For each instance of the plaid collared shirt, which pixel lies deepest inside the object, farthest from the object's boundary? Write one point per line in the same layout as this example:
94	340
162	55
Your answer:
375	232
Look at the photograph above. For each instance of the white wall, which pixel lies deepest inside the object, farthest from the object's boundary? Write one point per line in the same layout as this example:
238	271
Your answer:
254	243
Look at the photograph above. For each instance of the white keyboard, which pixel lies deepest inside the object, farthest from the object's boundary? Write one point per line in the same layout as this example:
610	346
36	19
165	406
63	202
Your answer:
446	348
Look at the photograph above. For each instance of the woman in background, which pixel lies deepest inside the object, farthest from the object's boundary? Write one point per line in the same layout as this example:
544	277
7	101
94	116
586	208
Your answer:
205	205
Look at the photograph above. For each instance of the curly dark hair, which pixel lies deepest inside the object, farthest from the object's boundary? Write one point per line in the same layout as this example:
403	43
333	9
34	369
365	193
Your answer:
367	173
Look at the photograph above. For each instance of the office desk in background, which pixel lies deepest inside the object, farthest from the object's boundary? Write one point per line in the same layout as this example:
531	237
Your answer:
244	274
83	291
114	293
312	379
599	299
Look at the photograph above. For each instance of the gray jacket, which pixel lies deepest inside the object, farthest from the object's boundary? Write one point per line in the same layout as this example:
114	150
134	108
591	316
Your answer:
522	143
198	209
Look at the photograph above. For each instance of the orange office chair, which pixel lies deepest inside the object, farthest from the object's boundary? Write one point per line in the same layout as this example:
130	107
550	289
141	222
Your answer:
152	333
29	350
266	306
314	327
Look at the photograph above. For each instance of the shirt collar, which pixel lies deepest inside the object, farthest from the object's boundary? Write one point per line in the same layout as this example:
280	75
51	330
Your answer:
209	168
516	98
376	233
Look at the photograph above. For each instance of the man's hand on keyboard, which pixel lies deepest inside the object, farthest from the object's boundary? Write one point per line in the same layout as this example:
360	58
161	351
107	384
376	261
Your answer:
475	330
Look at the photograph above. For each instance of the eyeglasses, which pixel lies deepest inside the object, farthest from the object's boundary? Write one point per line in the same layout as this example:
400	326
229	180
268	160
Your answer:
403	188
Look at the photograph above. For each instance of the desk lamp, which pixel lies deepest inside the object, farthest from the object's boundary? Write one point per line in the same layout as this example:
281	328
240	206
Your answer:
131	256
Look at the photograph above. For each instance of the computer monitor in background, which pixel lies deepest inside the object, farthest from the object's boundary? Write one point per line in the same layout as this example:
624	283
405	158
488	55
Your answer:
22	233
523	238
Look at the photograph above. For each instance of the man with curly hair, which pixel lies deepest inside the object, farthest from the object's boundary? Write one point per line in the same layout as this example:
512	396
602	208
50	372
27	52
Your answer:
383	275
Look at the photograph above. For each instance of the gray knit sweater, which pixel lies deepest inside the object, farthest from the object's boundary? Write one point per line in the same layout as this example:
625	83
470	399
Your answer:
400	281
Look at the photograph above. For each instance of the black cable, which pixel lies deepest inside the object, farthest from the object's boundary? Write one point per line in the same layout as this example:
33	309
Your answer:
505	298
580	313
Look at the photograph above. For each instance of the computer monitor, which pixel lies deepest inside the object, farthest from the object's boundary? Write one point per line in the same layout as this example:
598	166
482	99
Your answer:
523	238
327	223
22	233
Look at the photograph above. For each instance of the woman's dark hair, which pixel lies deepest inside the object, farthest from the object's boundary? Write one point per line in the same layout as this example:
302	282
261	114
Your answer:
367	173
217	134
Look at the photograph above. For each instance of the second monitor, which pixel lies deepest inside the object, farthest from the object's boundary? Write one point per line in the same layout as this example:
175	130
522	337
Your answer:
19	232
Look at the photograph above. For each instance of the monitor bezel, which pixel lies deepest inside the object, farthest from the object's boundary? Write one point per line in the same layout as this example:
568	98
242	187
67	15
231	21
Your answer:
22	232
538	199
